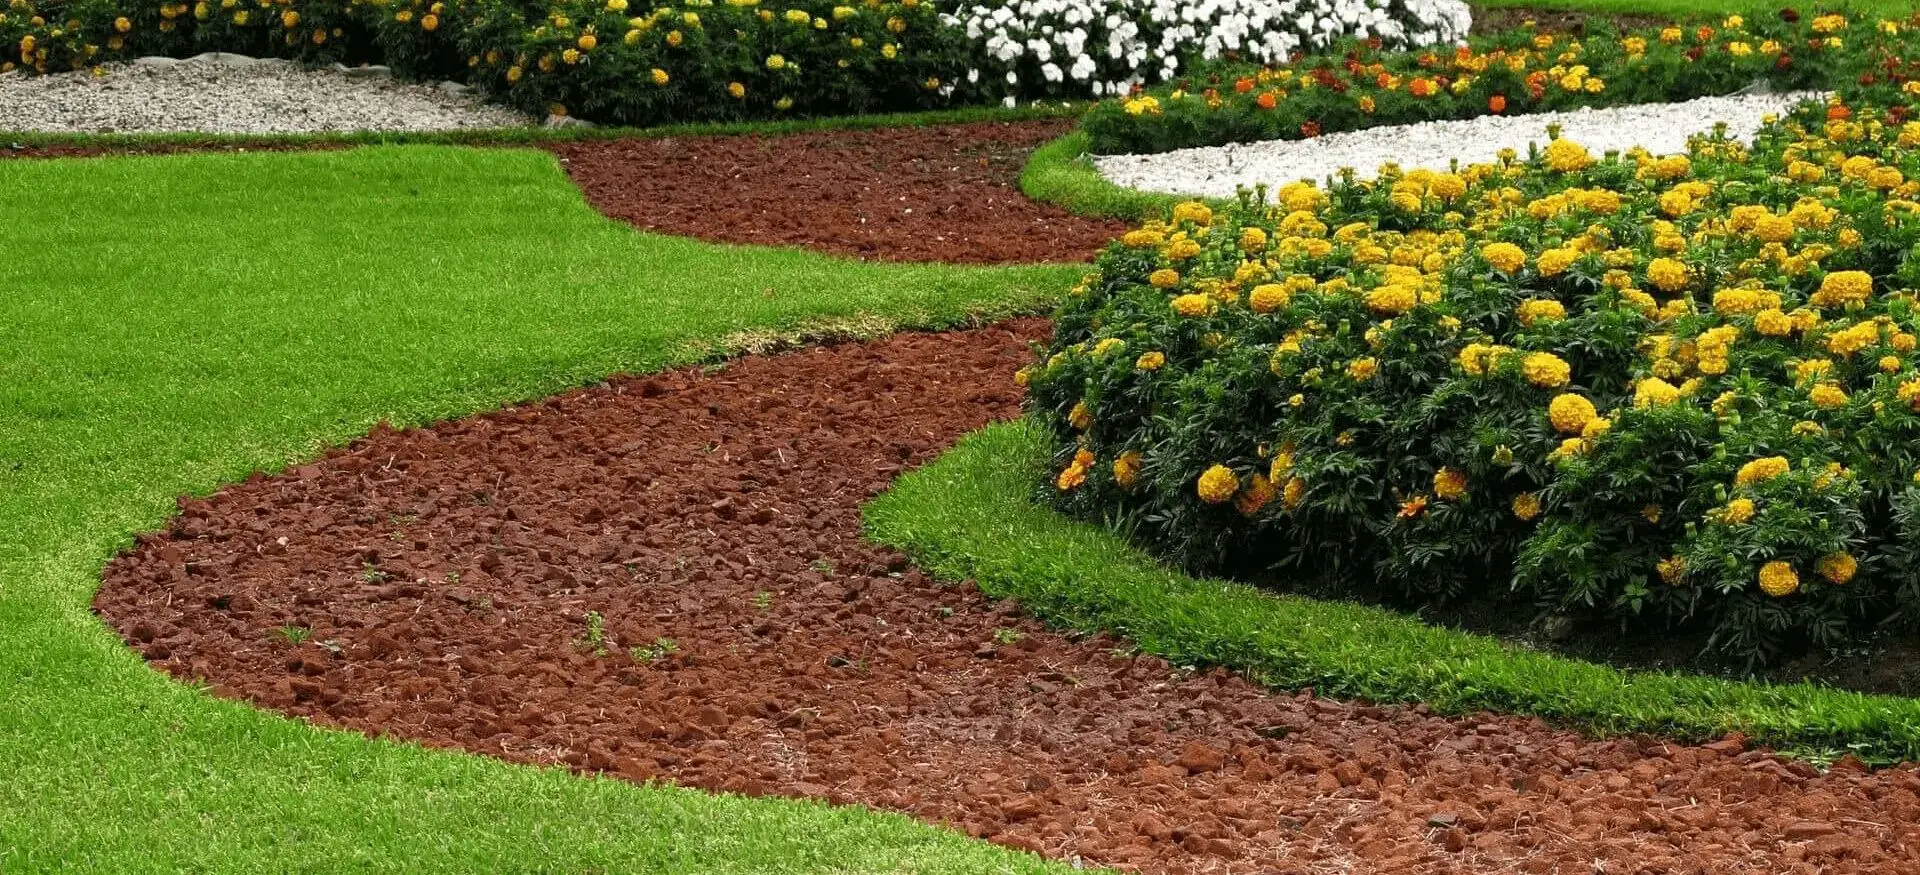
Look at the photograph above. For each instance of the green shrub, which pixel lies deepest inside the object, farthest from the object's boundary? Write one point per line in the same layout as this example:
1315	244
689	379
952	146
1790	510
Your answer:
1358	85
600	59
1682	390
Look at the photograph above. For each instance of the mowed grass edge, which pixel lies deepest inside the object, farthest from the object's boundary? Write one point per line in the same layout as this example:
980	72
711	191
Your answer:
975	513
172	324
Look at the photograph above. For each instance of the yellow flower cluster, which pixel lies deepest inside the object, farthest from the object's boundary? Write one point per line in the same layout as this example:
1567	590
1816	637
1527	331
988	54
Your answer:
1689	342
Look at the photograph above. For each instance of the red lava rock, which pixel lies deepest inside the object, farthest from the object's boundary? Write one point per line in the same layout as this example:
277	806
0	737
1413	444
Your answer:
787	655
947	193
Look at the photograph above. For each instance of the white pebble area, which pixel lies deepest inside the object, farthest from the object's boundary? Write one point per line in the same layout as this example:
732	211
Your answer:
231	94
1218	171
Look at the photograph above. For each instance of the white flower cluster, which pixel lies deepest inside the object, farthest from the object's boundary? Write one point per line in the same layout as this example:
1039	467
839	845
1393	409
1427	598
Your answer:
1103	47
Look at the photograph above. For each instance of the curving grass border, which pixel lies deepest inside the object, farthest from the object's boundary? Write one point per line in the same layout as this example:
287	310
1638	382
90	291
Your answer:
1060	173
972	514
174	323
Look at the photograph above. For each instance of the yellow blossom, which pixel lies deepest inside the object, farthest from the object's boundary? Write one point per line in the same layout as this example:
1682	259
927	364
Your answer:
1218	484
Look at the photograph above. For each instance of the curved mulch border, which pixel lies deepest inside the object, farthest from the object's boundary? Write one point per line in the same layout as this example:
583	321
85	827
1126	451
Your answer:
945	193
754	641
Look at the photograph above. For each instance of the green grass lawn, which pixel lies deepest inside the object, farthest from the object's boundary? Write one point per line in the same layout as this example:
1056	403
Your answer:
170	324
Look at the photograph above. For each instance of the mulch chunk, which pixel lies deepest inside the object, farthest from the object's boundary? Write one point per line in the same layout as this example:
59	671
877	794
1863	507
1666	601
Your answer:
665	578
947	193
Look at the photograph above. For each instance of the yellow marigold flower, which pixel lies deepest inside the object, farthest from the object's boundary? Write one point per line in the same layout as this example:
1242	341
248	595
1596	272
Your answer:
1142	238
1570	448
1673	569
1541	310
774	62
1846	342
1772	323
1363	369
1828	396
1393	299
675	38
1554	262
1259	491
1761	470
1567	156
1253	240
1546	370
1192	211
1737	512
659	76
1218	484
1479	358
1293	493
1667	274
1150	361
1654	392
1450	484
1080	417
1778	579
1076	473
1904	342
1126	469
1837	568
1570	413
1843	287
1413	507
1164	278
1526	506
1194	305
1504	257
1890	364
1109	344
1268	297
1808	428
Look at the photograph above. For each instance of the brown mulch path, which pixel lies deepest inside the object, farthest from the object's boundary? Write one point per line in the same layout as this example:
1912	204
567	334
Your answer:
447	576
947	193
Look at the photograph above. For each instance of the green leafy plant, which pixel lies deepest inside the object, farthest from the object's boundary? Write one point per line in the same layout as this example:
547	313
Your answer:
1678	390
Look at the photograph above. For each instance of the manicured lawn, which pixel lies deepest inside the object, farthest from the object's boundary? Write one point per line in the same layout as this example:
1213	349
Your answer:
974	514
170	324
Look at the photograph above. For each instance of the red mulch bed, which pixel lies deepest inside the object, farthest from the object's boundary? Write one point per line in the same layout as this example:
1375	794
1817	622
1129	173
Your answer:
947	193
446	575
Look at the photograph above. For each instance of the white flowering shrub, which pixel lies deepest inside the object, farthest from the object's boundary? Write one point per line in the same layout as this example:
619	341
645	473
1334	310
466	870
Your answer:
1105	47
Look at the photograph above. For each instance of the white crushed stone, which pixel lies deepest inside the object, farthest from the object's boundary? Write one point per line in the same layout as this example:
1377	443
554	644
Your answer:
1217	171
229	94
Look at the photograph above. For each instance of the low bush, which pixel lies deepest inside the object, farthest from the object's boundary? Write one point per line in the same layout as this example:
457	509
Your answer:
624	62
1674	391
1363	84
1105	47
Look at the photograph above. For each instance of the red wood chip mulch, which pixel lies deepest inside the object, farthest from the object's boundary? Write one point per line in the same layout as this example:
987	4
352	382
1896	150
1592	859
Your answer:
755	642
947	193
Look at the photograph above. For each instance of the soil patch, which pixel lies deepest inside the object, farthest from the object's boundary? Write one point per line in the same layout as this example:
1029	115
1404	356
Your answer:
665	578
1487	22
947	193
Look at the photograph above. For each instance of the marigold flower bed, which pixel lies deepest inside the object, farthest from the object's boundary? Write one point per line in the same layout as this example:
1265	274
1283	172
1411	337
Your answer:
665	578
1676	389
1358	85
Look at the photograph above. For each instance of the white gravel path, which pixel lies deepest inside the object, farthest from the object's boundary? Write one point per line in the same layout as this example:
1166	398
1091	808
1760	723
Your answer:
229	94
1219	170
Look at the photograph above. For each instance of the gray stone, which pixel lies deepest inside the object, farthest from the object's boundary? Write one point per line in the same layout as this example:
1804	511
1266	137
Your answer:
567	121
156	61
371	71
235	94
